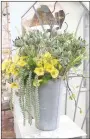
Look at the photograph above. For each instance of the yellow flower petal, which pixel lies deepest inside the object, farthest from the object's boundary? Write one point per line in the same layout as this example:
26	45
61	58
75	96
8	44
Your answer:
48	67
12	67
39	71
54	62
54	73
3	66
6	63
15	73
21	63
14	85
47	55
8	71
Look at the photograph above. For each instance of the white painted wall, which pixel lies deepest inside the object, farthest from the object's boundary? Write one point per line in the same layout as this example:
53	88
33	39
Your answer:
17	9
75	11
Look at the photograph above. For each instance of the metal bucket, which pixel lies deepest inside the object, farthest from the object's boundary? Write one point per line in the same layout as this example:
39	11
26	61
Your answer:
49	98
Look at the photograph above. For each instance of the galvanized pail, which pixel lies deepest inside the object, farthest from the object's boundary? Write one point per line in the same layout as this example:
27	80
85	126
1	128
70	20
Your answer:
49	99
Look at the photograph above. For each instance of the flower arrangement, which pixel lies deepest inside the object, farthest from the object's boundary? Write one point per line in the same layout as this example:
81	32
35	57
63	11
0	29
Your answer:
40	59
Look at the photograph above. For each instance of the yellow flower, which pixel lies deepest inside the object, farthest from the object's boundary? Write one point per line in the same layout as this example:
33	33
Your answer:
21	63
48	67
8	71
35	83
15	72
3	66
54	73
6	63
19	60
47	55
13	69
39	71
45	61
14	85
54	62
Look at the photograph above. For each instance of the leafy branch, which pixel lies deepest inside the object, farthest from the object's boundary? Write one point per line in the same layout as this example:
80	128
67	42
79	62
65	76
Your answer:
72	97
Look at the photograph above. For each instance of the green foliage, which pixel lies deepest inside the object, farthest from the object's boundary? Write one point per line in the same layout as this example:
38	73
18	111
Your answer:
36	104
28	95
22	97
66	47
45	79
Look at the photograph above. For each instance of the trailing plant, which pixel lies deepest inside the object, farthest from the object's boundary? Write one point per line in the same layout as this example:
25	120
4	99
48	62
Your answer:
41	58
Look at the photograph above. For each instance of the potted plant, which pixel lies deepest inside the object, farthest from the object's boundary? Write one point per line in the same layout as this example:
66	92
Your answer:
40	67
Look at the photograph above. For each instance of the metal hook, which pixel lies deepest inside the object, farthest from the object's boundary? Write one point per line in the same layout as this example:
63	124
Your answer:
54	6
66	23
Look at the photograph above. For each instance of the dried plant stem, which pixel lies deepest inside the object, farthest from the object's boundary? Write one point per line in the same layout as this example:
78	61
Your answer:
70	91
77	99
